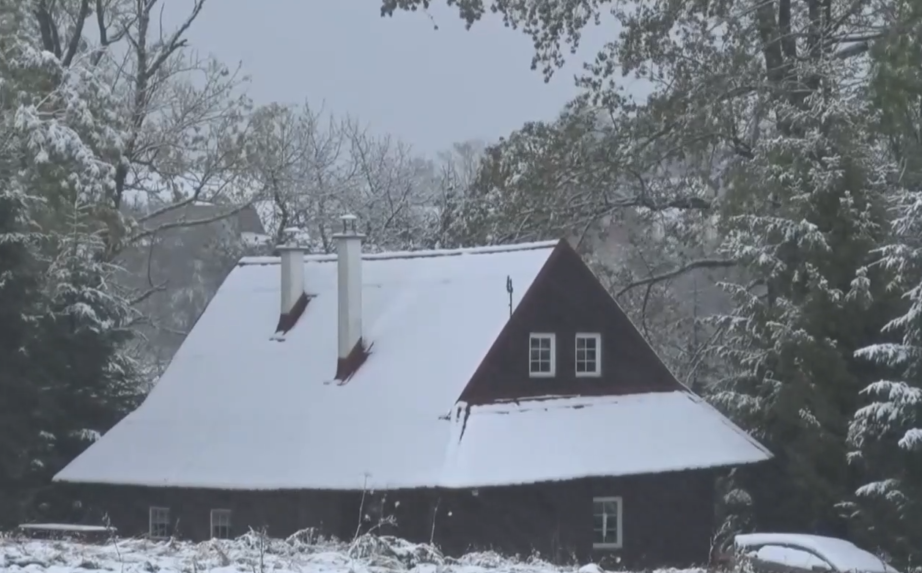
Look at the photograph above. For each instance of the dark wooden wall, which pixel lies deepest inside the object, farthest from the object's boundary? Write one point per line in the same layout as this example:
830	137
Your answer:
668	519
564	299
280	512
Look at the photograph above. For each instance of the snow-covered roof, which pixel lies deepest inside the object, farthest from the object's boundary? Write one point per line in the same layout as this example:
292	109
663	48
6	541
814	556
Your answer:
596	436
239	409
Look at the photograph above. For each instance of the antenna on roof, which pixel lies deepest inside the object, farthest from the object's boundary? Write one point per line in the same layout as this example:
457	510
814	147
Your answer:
509	290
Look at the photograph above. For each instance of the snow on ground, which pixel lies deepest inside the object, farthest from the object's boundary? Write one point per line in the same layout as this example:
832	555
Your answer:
256	554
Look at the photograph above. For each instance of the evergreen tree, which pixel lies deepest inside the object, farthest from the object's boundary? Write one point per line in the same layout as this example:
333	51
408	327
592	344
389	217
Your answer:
21	397
804	215
63	378
886	433
93	383
21	353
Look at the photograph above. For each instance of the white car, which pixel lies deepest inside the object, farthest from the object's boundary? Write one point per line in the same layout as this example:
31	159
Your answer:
799	553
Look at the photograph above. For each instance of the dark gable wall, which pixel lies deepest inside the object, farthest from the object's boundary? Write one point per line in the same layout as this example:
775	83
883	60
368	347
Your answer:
566	298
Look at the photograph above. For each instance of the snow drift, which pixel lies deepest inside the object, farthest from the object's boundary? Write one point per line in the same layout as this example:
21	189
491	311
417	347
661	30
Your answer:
254	553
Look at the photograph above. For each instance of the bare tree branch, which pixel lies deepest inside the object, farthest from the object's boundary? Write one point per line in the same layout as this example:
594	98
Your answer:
698	264
183	222
77	35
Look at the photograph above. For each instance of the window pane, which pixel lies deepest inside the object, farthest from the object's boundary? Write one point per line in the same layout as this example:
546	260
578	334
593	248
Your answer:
605	521
611	533
540	355
587	354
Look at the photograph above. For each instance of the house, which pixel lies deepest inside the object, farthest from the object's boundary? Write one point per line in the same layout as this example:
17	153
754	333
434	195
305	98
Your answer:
185	264
481	398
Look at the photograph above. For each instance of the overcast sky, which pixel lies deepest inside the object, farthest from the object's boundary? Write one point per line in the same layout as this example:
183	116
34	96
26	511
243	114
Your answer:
398	75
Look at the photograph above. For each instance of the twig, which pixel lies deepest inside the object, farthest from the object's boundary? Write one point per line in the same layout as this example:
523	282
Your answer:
699	264
358	527
435	512
114	536
184	223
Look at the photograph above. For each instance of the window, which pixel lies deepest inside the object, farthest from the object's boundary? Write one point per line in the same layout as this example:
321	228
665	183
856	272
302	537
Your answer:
159	522
606	526
588	354
221	523
541	359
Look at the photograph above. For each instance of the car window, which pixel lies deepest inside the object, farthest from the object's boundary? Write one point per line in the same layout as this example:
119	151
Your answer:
791	557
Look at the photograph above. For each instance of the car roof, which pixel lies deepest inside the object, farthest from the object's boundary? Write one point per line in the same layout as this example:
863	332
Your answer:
841	554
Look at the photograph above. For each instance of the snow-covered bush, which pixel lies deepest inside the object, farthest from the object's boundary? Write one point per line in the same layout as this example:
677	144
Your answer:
256	553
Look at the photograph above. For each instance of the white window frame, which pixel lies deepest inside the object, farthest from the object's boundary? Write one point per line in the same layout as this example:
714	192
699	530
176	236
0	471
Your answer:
619	522
159	512
595	336
550	336
223	520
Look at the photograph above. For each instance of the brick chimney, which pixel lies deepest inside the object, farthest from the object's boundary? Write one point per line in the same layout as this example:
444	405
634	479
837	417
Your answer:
293	298
352	351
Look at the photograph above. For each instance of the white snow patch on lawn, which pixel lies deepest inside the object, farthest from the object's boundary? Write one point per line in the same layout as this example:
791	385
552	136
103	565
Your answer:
256	554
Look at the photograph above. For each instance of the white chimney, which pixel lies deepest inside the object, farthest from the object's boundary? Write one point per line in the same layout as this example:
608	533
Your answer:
292	255
349	283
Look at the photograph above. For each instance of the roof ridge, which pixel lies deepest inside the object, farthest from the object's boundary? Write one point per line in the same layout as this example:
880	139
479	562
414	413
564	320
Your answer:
422	253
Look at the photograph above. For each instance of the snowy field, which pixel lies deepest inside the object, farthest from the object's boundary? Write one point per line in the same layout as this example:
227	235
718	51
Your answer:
255	554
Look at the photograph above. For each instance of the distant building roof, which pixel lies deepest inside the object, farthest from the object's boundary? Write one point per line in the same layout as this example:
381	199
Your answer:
246	219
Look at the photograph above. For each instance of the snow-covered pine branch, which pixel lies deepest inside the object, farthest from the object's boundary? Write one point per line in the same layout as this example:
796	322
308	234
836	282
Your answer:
61	146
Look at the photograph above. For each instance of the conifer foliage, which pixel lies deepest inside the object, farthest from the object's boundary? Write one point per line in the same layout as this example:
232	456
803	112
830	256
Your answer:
885	433
803	217
63	379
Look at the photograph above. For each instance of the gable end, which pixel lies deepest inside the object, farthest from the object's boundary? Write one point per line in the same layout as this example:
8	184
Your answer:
567	299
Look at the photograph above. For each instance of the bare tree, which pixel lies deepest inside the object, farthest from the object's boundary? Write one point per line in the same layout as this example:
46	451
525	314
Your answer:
393	191
453	193
182	117
299	161
311	167
178	185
